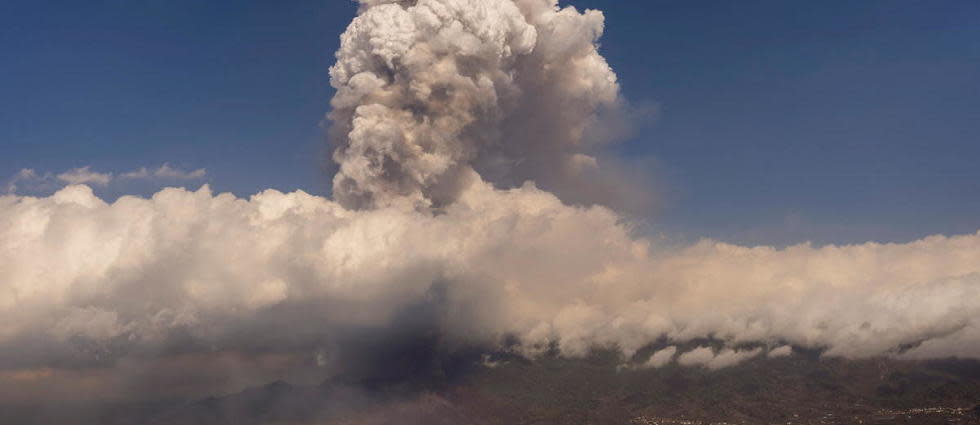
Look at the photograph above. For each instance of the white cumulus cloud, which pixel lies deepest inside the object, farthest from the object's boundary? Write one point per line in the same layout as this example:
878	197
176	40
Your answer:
661	357
85	175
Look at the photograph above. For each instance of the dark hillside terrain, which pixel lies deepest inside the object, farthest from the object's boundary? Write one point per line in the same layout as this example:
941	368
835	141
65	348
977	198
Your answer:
599	390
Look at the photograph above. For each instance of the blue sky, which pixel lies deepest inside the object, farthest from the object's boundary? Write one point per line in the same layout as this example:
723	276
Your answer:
780	121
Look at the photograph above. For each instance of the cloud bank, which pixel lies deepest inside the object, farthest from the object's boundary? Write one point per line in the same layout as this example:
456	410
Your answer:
165	171
444	110
84	175
89	284
30	181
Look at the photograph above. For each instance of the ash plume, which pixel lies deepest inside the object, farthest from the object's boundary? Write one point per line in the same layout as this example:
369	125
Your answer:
430	91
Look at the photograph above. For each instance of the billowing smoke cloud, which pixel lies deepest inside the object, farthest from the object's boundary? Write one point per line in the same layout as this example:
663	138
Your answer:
433	242
429	91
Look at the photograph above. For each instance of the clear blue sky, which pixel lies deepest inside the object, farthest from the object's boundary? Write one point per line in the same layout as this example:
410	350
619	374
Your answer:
781	121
